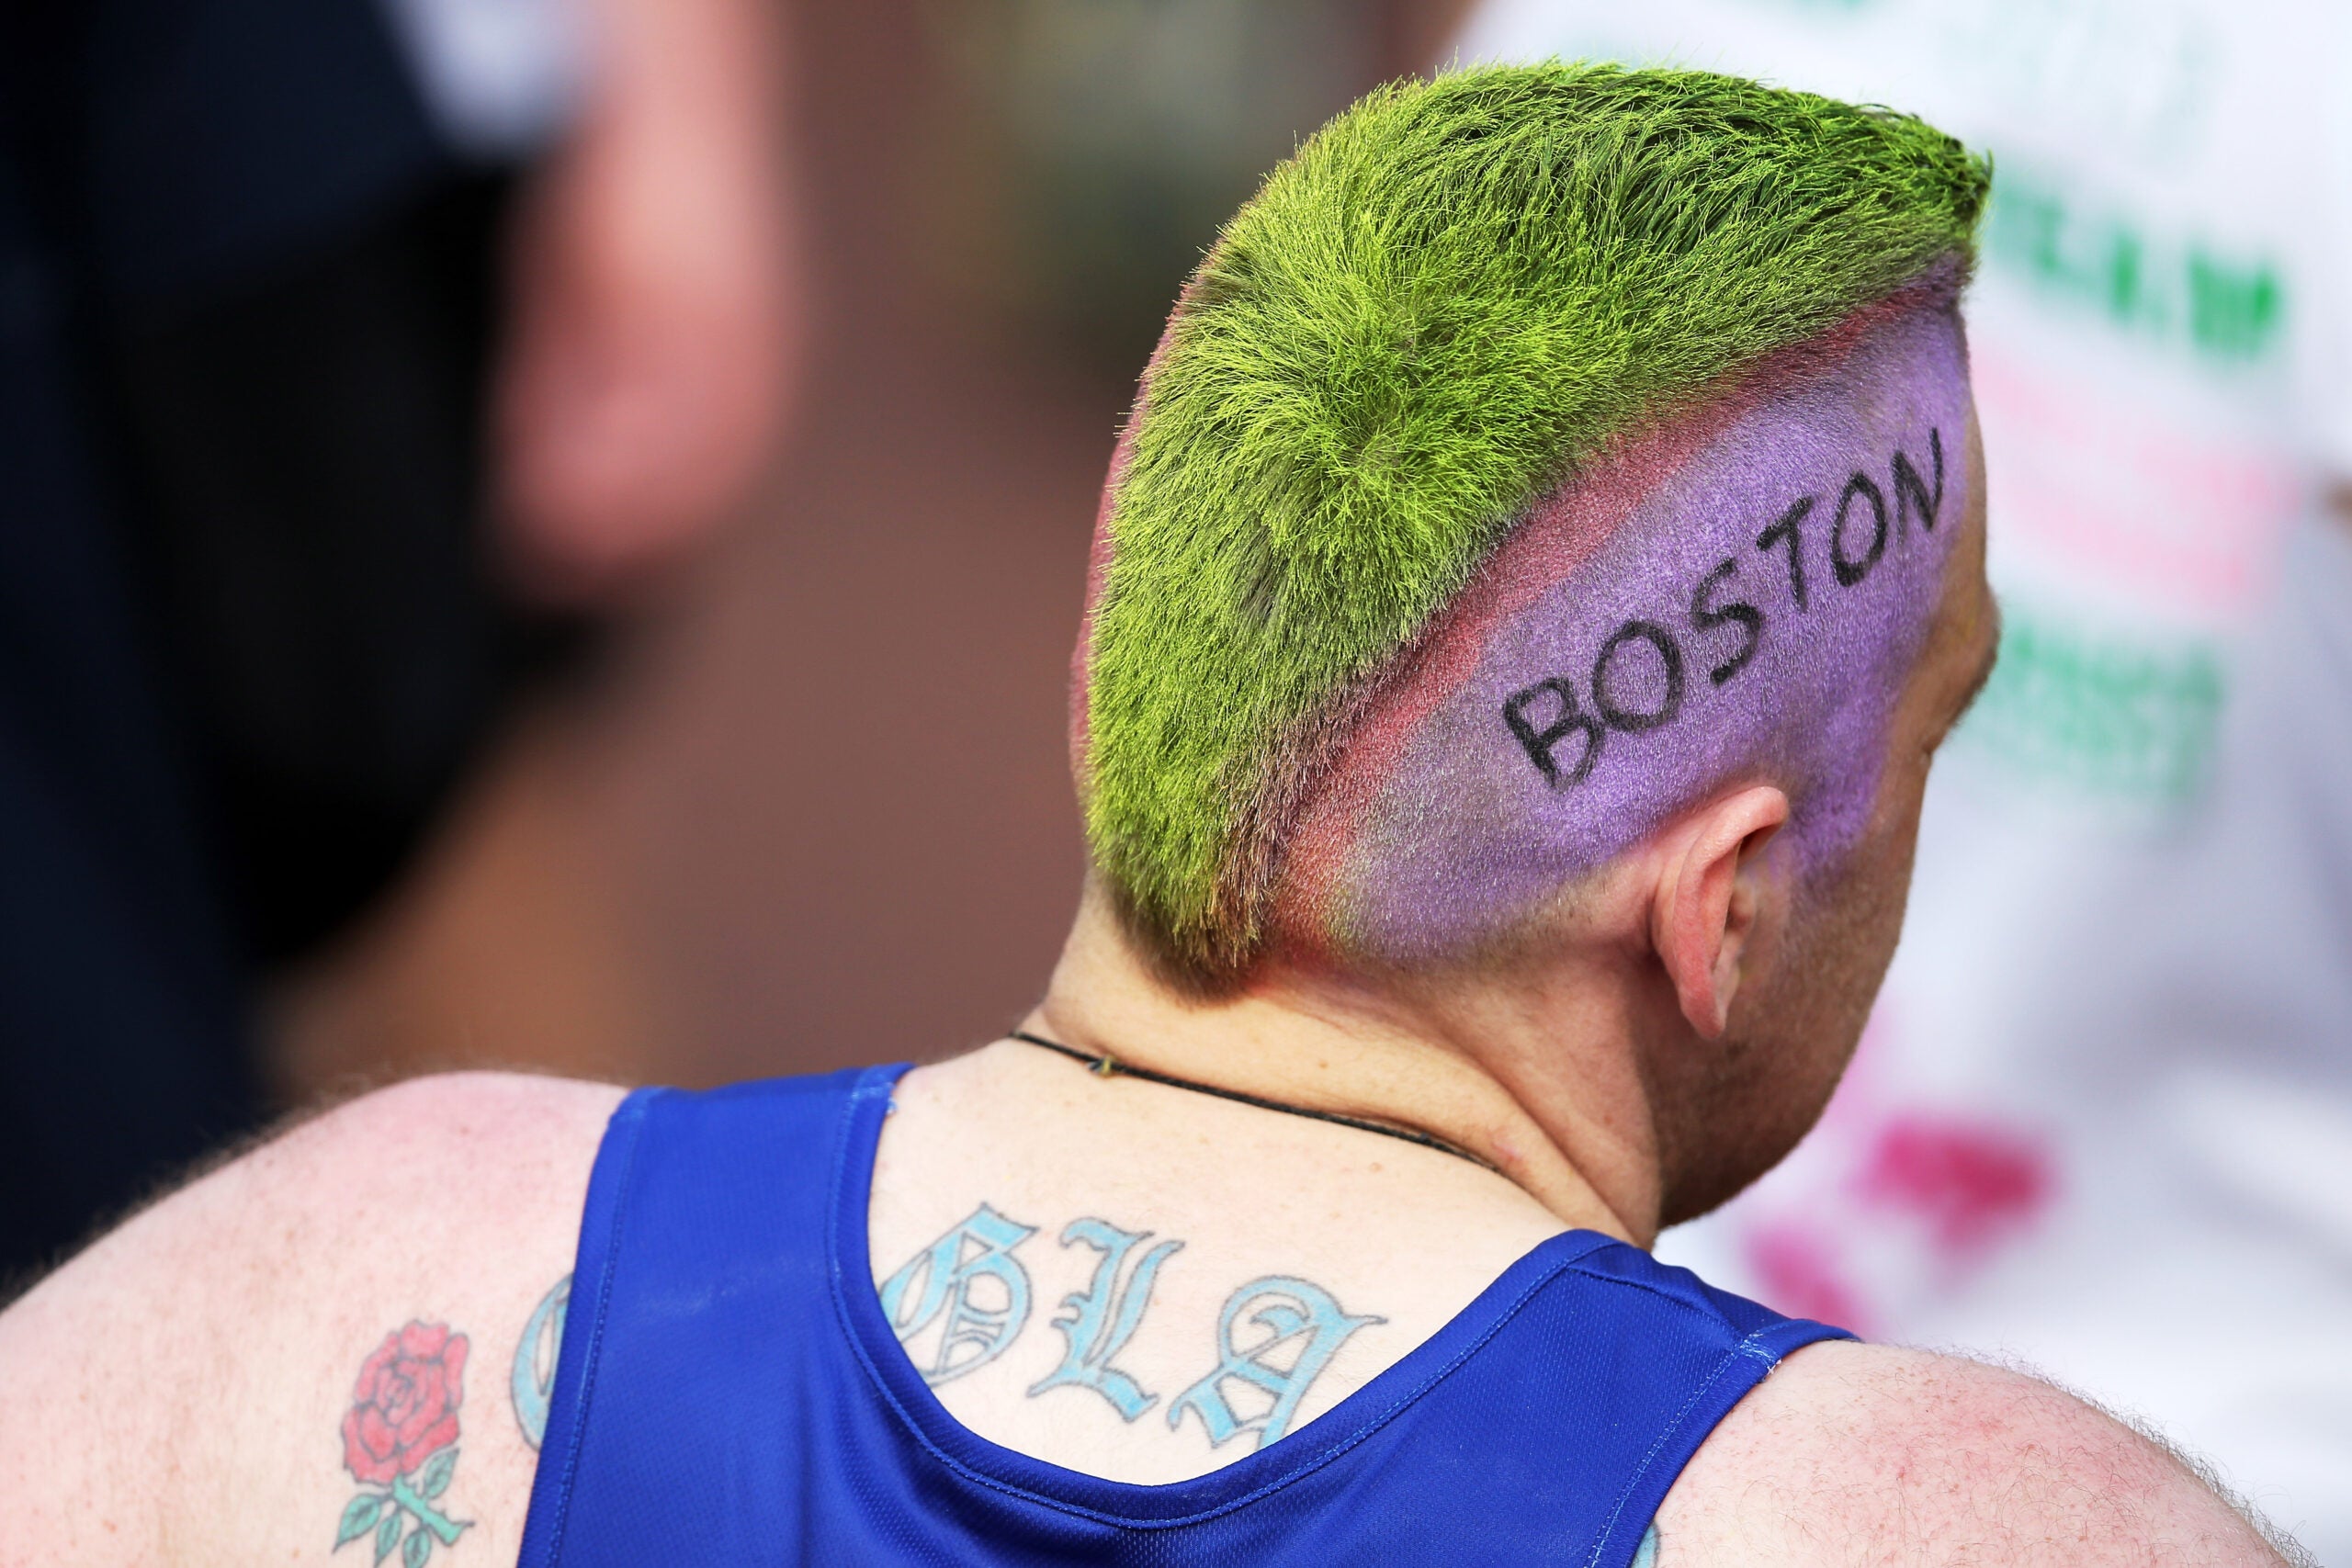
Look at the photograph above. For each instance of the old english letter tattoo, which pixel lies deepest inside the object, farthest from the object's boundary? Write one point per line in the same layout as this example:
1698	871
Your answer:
1294	1313
533	1379
950	1279
399	1442
1098	1323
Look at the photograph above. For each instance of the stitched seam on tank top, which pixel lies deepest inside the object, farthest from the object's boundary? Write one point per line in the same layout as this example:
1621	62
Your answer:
1746	1347
1306	1463
1746	1350
1702	1308
579	1433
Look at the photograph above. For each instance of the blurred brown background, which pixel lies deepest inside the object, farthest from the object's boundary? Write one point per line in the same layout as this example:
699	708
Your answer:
814	808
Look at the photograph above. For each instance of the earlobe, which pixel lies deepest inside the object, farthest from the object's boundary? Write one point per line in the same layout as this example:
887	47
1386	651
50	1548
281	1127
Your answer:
1707	901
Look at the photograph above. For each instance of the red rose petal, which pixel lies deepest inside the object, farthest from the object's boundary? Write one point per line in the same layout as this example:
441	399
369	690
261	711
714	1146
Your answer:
375	1433
430	1443
364	1465
453	1362
418	1422
363	1391
424	1340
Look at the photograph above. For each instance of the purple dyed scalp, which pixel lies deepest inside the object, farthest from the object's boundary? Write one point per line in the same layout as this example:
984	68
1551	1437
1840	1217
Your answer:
1738	597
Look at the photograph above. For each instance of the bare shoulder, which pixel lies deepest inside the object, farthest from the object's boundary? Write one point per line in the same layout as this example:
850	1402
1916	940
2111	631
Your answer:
319	1339
1860	1453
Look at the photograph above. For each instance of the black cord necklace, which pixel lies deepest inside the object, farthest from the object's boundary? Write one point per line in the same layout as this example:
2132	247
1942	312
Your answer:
1110	1066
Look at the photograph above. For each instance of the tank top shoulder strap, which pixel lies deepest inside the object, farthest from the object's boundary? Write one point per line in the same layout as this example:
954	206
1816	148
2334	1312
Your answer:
699	1288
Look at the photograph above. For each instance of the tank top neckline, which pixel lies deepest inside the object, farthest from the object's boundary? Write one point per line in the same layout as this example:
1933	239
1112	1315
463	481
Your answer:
984	1463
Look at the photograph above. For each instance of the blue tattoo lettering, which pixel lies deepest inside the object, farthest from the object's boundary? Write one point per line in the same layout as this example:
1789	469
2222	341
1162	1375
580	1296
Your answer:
533	1379
1292	1312
1098	1323
951	1277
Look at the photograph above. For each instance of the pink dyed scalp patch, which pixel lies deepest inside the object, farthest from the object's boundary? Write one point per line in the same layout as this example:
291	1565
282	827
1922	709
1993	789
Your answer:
1741	595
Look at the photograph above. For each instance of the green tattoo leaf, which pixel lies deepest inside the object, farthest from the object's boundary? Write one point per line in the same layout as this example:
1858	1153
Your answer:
427	1516
357	1516
419	1548
433	1479
387	1534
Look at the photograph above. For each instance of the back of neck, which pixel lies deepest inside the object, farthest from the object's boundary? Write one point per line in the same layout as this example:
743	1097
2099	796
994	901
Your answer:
1067	1255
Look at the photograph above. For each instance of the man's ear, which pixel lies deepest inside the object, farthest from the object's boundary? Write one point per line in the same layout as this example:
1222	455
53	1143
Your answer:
1704	909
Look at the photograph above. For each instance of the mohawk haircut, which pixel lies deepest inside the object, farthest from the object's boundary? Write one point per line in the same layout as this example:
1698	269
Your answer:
1450	299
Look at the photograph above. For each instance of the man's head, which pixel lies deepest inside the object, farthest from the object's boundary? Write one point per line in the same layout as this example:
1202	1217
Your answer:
1549	466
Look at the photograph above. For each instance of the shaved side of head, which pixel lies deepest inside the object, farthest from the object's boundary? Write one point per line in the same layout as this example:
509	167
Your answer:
1735	597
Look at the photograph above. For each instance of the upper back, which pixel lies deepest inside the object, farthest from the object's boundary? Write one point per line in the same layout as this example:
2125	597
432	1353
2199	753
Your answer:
1174	1203
230	1376
192	1389
1215	1334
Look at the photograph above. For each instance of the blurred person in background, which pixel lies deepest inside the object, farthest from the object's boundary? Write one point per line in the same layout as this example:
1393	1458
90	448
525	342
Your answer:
358	361
2103	1117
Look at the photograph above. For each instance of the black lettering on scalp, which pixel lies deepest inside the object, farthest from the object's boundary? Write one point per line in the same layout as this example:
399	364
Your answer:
1707	617
1570	718
1786	528
1539	743
1631	720
1850	570
1910	491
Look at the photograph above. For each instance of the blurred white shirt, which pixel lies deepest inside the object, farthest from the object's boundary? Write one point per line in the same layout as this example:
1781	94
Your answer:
2102	1120
498	77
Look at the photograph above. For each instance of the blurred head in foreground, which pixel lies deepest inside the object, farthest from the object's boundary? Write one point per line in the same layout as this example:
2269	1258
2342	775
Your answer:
1557	489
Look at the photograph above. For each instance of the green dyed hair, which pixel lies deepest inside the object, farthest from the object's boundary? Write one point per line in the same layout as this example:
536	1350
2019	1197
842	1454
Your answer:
1450	298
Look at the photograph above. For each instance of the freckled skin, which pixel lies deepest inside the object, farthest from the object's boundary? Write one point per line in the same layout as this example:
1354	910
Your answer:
1447	827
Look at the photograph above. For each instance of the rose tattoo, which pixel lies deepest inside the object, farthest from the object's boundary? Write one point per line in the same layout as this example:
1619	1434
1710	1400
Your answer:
401	1434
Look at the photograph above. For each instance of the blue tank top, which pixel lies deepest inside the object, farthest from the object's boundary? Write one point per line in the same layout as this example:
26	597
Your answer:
729	1391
